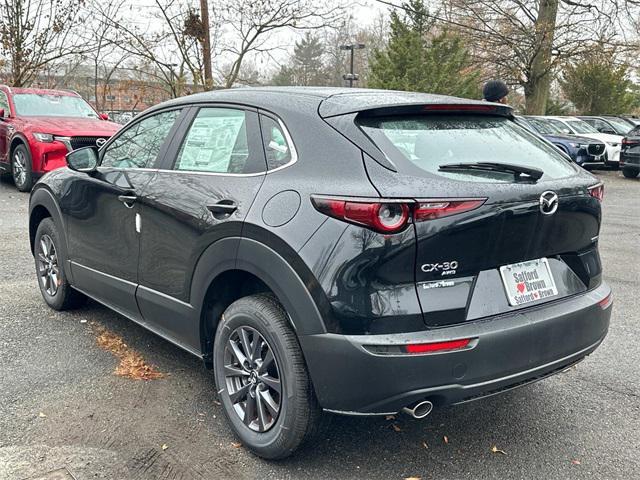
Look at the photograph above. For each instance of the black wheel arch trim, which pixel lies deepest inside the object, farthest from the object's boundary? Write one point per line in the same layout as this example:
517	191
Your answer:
260	260
42	197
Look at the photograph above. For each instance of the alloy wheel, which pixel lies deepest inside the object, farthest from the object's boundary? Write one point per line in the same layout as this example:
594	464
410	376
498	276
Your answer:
48	269
252	379
19	167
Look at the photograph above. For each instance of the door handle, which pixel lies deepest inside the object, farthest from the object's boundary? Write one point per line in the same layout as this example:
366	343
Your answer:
128	200
224	207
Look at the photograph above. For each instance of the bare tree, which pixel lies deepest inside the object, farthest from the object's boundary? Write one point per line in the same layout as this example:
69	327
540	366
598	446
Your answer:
170	55
251	25
35	33
526	41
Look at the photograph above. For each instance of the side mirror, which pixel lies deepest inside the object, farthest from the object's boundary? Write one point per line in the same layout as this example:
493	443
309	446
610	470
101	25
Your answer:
83	159
104	116
1	113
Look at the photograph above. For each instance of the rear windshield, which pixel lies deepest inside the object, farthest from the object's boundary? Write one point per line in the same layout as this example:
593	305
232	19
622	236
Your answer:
431	141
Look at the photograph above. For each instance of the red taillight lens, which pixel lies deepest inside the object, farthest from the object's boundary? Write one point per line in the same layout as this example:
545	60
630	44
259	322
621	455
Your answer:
597	191
606	302
432	209
380	216
437	346
391	216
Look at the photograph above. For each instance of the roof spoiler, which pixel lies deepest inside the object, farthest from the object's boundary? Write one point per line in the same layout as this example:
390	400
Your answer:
485	108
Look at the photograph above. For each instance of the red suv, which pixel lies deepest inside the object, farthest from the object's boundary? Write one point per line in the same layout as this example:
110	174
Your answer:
39	127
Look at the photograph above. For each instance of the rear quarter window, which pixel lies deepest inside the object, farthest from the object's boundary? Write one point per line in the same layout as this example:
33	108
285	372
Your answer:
428	141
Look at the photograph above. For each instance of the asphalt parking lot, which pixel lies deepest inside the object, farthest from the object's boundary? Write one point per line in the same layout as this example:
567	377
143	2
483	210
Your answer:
62	408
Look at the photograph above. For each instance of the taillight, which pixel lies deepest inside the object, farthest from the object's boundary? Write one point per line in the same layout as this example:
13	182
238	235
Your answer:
391	216
606	302
384	217
597	191
432	209
437	346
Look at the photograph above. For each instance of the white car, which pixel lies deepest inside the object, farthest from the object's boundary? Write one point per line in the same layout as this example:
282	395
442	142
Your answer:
575	126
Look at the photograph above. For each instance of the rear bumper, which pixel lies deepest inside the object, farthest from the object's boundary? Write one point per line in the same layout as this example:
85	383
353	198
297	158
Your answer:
630	160
510	350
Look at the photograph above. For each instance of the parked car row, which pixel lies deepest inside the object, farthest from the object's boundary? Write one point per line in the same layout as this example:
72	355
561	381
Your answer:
39	127
592	141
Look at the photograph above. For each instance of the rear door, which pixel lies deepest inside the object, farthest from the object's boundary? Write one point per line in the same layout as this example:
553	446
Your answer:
207	183
470	223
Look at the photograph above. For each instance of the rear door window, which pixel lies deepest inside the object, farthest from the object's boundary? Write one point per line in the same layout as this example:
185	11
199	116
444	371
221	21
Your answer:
429	141
216	142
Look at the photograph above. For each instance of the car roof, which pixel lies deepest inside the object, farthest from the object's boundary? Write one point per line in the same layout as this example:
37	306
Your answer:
327	101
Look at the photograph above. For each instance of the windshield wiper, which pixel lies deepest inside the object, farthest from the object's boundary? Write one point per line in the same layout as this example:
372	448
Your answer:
519	171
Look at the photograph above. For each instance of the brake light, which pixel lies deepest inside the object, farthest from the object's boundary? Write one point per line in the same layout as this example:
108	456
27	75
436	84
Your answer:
597	191
437	346
448	107
384	217
391	216
432	209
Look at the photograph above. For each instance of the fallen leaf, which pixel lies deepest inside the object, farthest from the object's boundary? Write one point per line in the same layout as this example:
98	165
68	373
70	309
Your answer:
236	444
390	417
42	415
424	444
413	478
446	439
164	446
575	461
495	449
131	365
83	321
396	427
215	402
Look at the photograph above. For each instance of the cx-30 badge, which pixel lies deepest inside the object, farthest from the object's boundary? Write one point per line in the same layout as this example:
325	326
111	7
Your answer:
100	142
549	202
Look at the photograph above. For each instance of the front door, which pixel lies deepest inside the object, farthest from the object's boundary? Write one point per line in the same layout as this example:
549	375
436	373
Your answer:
207	183
102	212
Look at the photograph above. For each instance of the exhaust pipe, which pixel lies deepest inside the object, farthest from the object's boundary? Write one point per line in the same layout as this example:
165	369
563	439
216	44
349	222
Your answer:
419	410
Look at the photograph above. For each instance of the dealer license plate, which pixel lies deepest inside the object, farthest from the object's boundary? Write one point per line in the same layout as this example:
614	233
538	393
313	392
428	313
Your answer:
528	282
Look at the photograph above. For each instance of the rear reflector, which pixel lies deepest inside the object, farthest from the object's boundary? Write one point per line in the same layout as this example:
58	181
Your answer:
606	302
597	191
437	346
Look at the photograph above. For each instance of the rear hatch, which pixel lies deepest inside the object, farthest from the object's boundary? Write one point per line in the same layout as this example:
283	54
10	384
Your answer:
475	226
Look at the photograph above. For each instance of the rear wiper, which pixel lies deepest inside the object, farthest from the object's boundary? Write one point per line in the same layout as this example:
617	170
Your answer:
520	171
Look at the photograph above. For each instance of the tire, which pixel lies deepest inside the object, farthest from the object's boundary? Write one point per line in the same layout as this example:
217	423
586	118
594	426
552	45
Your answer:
630	172
21	168
298	415
50	260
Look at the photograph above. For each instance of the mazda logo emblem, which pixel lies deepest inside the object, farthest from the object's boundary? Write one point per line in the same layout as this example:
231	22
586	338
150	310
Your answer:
549	202
100	142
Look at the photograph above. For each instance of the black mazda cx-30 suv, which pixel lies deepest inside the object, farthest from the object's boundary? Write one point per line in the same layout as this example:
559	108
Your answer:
355	251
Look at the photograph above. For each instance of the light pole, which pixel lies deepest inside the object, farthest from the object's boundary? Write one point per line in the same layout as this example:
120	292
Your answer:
351	77
174	79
